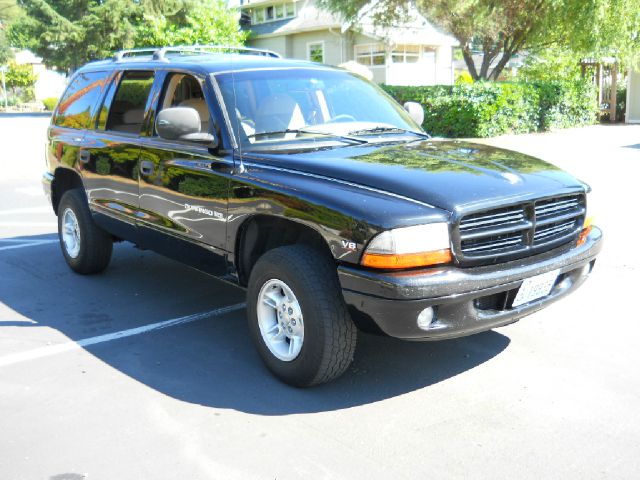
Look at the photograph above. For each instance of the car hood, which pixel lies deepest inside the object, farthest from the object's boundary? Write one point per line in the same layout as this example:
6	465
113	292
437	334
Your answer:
452	175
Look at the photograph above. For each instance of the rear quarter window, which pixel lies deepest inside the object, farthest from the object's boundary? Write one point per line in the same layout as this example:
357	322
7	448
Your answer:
78	104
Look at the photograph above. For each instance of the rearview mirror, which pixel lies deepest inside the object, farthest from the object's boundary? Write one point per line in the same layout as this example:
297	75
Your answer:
416	112
182	123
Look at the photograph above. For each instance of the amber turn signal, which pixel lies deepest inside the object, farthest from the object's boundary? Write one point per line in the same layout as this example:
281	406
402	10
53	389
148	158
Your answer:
406	260
586	230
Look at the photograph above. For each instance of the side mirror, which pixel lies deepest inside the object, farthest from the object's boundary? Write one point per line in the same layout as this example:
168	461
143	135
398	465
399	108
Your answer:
416	112
182	123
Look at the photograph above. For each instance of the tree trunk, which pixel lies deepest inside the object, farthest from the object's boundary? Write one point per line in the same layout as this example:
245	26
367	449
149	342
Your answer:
468	59
500	66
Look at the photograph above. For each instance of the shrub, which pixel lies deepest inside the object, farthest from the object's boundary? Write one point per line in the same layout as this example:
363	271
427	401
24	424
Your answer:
488	109
50	103
463	77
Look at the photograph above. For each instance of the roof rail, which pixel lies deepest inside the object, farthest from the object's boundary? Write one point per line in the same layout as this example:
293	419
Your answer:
160	53
119	56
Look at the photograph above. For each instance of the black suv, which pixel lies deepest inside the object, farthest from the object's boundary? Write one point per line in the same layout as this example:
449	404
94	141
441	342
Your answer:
315	191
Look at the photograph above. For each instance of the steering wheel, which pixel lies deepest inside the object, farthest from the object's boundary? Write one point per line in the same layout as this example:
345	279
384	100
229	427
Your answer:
343	117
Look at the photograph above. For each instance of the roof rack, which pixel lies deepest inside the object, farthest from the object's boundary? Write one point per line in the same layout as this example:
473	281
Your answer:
160	53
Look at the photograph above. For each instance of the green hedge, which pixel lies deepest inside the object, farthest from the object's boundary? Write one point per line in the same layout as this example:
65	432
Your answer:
50	103
490	109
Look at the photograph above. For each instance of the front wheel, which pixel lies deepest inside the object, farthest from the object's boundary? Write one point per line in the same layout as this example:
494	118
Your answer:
297	317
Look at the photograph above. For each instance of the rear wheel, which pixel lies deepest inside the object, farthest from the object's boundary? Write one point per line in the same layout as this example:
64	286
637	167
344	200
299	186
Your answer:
85	246
297	316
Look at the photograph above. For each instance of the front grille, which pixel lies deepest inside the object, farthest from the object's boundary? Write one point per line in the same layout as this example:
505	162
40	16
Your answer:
530	227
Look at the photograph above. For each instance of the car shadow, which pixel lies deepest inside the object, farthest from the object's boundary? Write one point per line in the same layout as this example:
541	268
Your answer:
209	362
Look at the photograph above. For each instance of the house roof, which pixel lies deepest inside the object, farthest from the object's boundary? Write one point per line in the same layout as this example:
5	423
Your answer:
418	30
310	18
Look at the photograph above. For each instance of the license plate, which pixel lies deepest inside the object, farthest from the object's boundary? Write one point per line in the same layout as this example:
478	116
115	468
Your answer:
535	287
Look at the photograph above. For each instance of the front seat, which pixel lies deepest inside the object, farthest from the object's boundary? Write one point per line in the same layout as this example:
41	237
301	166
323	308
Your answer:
278	112
201	107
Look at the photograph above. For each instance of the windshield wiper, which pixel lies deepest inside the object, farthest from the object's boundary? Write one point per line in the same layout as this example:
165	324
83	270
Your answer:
343	138
382	129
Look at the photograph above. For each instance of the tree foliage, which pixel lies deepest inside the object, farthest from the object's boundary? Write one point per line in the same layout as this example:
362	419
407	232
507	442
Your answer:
68	33
20	80
9	10
208	22
501	28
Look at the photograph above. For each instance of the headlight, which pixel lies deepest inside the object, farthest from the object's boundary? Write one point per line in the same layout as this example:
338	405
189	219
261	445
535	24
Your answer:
409	247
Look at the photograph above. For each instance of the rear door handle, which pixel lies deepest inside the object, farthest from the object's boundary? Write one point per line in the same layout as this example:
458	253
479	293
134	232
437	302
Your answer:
84	156
146	167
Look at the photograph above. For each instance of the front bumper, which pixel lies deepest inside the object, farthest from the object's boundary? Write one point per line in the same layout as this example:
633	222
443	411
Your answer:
466	300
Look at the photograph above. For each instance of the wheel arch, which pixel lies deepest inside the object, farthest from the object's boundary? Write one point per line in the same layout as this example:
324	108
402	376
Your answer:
263	232
64	179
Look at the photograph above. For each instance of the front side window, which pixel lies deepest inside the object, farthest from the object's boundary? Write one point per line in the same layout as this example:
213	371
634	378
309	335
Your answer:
316	52
126	112
78	104
273	105
181	90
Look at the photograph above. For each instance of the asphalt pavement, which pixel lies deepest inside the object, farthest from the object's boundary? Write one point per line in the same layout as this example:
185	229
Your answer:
147	371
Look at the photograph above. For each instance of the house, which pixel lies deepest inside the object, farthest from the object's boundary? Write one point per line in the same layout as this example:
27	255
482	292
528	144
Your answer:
633	97
414	54
49	83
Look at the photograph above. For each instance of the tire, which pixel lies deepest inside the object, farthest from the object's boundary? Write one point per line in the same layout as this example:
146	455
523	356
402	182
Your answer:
85	246
324	335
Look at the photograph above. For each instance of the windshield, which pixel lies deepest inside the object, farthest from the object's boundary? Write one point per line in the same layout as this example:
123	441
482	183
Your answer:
269	107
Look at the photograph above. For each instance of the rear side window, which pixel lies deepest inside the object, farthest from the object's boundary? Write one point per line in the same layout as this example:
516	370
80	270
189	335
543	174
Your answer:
77	105
126	112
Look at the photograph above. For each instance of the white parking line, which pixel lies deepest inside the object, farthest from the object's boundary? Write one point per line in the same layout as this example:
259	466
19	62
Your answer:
29	224
50	350
39	209
29	243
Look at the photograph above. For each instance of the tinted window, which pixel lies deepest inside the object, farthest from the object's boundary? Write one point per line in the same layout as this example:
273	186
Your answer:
126	113
78	103
182	90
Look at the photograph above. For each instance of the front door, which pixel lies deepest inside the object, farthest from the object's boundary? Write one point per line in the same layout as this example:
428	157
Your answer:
184	185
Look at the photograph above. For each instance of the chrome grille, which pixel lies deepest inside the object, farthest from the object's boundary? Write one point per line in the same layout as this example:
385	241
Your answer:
527	227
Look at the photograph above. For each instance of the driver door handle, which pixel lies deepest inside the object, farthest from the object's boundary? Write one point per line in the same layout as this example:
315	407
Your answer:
146	167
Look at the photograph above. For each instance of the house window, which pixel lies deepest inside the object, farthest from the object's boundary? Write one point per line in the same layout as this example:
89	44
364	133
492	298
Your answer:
405	54
370	55
291	10
272	13
315	52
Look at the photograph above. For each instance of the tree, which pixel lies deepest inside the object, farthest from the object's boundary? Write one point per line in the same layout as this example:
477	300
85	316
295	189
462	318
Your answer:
68	33
20	80
502	28
9	10
200	22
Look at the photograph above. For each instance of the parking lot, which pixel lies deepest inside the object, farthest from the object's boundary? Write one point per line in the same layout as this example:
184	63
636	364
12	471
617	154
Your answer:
147	371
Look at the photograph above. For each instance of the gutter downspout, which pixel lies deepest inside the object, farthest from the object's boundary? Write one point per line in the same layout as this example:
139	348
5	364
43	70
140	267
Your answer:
341	43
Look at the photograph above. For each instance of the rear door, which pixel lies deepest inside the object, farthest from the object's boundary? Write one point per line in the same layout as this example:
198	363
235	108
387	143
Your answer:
111	153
